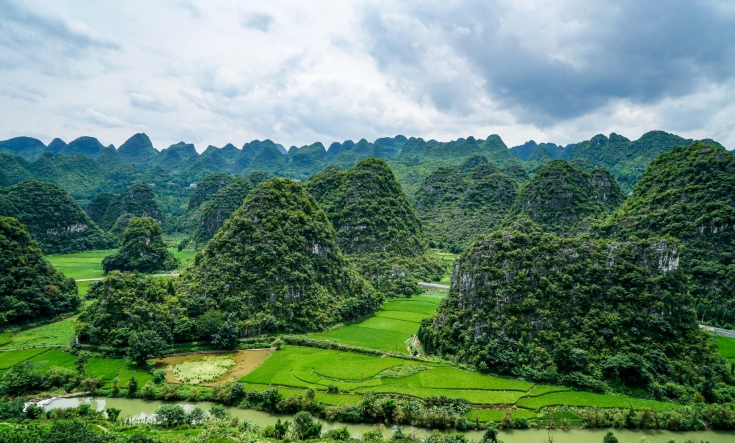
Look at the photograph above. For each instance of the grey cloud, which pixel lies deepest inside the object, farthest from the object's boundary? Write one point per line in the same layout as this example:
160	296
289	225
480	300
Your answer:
257	20
22	92
32	39
632	50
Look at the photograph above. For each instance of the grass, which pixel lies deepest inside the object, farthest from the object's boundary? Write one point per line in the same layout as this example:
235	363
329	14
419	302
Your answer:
5	338
448	258
80	265
575	398
12	358
58	333
726	347
329	399
83	265
547	389
129	369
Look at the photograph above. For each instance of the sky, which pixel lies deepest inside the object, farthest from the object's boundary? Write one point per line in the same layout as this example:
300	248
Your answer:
298	72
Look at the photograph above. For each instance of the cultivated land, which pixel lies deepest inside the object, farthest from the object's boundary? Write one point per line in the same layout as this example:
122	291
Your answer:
84	265
391	328
293	369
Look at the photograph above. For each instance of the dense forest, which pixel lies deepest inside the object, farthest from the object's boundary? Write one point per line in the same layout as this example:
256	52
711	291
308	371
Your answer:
579	311
30	288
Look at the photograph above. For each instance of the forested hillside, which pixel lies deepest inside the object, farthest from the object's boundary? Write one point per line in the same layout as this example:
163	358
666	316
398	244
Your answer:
457	204
562	198
30	289
53	217
689	194
577	310
276	266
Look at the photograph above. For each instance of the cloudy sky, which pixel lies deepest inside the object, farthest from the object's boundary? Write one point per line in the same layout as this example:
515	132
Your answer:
303	71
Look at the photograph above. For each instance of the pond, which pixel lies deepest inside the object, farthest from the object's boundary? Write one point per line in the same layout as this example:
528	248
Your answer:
142	409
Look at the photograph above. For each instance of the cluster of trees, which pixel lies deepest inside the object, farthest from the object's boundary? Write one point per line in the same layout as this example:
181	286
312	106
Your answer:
30	288
113	212
579	311
142	249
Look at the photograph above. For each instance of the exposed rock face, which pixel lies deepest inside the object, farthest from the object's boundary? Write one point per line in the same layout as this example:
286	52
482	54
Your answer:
520	297
53	217
276	261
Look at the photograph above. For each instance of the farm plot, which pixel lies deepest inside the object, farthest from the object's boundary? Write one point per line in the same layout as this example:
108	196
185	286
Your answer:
104	368
128	370
58	333
726	347
390	328
83	265
12	358
56	357
576	398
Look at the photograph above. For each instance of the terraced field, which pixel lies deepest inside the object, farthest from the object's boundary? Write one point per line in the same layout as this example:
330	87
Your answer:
389	330
726	347
296	368
58	333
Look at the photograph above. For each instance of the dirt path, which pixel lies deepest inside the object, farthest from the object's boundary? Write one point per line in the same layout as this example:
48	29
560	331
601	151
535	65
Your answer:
433	286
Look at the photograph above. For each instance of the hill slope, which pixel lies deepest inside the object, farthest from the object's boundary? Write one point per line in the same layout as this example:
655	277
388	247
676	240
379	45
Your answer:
276	264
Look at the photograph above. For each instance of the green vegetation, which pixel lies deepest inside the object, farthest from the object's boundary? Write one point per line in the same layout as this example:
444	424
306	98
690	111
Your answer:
390	329
125	304
31	289
206	188
113	212
275	265
561	197
142	250
58	333
220	207
613	314
376	226
52	217
689	193
456	206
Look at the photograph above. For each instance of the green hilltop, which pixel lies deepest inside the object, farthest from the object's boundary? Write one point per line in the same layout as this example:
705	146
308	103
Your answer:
276	265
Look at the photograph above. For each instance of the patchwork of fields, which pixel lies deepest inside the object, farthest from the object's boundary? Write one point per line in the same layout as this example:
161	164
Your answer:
83	265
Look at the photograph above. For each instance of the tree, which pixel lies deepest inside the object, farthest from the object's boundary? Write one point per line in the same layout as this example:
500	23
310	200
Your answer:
132	385
145	345
228	335
609	438
170	415
112	414
81	362
304	426
142	249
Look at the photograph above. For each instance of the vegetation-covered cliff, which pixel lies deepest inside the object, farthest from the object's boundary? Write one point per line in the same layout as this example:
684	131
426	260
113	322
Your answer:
219	207
113	212
53	218
581	311
142	249
30	288
276	265
689	193
562	198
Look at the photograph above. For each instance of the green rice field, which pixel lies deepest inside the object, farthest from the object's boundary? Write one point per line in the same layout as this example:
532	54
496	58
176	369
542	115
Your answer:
726	347
391	327
58	333
83	265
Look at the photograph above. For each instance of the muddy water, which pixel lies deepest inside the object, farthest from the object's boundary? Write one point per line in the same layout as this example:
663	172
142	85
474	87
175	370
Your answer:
142	409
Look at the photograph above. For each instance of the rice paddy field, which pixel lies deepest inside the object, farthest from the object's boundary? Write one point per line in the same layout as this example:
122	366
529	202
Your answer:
391	328
296	367
57	333
83	265
726	347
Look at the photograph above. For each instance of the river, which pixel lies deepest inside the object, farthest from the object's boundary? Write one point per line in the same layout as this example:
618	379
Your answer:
142	409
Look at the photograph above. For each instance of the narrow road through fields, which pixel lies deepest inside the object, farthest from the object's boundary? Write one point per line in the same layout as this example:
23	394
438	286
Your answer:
719	331
433	286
